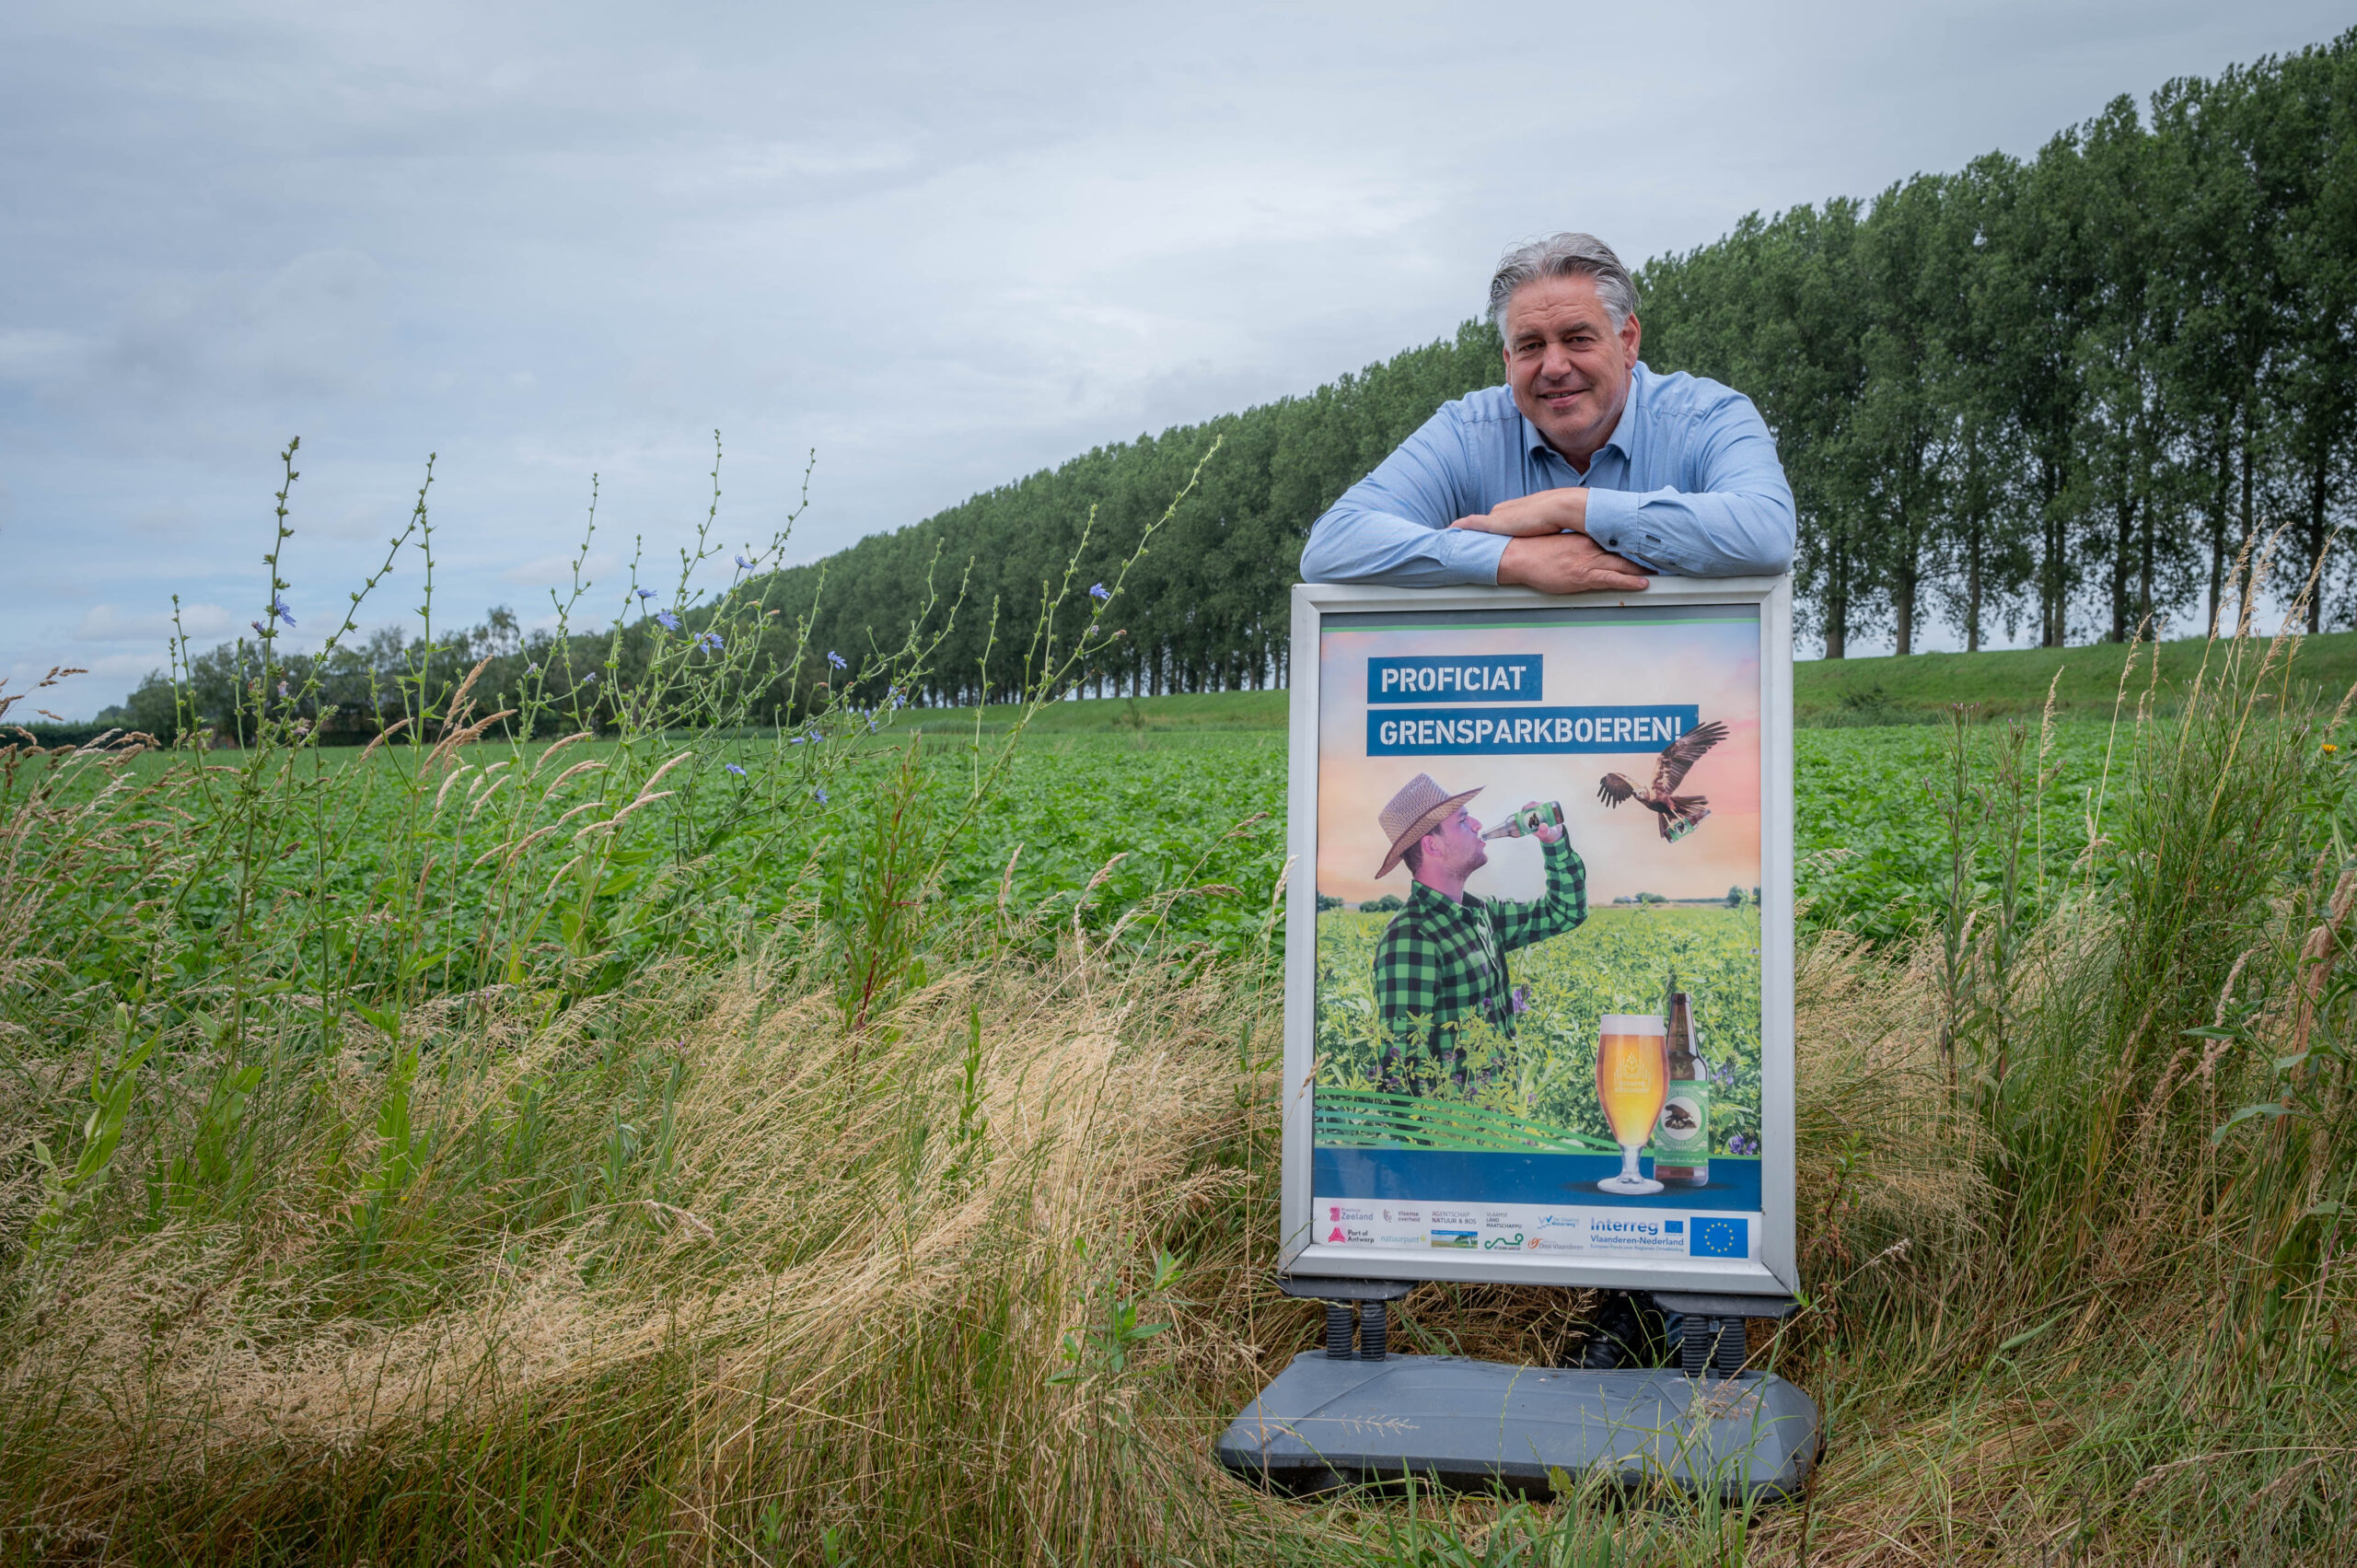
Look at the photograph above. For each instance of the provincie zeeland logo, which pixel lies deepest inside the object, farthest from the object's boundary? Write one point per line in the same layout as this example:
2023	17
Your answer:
1474	685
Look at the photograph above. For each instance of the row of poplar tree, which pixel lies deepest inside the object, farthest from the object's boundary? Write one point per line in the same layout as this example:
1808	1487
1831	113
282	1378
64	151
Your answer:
2054	395
2058	394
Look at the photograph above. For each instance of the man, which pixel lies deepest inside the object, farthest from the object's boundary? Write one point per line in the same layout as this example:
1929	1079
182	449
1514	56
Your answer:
1586	472
1441	962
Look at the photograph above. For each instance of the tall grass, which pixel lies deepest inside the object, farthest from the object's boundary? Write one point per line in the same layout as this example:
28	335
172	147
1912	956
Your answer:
653	1179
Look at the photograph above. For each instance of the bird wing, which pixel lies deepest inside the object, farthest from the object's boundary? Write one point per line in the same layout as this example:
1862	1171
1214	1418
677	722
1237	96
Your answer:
1683	753
1614	789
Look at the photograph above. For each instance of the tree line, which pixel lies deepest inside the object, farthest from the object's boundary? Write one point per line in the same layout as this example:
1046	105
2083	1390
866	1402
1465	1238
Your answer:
2059	394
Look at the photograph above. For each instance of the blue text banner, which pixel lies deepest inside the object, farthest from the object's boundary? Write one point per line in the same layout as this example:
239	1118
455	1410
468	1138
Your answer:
1523	731
1456	678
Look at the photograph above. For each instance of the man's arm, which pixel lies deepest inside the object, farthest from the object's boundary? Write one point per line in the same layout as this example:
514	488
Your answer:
1392	525
1563	907
1737	521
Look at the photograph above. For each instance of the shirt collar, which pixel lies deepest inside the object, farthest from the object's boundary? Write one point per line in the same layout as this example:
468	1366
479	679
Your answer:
1431	898
1624	433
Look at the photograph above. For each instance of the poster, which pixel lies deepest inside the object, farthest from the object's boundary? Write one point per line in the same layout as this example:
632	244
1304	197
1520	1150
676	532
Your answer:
1540	1008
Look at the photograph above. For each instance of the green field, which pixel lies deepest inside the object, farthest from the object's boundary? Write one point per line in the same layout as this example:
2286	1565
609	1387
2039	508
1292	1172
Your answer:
694	1144
1619	961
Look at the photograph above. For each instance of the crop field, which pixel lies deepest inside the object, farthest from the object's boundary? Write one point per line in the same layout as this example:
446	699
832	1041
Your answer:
860	1144
1546	1072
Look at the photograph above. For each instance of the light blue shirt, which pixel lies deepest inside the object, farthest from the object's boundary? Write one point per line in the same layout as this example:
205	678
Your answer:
1688	483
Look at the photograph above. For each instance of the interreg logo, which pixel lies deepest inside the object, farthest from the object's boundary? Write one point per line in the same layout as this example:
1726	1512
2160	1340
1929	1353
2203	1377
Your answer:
1629	1227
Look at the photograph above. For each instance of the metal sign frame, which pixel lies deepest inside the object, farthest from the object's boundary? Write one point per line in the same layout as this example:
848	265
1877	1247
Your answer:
1775	1271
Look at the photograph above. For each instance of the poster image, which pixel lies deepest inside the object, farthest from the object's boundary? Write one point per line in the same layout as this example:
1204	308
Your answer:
1538	974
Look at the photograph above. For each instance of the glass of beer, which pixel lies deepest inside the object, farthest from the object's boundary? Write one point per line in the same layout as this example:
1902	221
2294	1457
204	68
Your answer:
1632	1080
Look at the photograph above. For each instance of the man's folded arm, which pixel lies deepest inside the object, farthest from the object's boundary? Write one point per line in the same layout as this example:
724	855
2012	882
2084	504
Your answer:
1736	522
1392	525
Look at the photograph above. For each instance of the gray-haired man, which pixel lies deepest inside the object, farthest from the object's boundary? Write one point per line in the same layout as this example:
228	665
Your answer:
1584	471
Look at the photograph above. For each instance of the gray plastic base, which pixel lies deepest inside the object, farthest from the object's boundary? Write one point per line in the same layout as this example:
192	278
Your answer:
1478	1425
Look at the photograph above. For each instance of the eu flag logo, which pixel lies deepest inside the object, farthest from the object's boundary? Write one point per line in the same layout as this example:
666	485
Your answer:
1720	1238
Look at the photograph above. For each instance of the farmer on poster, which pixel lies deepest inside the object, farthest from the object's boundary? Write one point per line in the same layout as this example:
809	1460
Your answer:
1440	971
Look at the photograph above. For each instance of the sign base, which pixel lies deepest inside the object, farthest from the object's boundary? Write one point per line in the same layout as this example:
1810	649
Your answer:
1475	1425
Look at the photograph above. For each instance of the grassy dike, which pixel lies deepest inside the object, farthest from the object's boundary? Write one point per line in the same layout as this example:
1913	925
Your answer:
556	1177
2085	683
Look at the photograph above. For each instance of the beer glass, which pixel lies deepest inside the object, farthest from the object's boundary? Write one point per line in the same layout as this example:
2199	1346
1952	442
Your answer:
1632	1080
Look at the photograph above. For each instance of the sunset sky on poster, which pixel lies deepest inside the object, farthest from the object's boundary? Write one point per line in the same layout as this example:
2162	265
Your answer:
1714	666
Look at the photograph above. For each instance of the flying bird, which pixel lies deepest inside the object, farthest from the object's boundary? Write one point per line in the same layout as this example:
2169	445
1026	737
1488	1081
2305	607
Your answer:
1676	815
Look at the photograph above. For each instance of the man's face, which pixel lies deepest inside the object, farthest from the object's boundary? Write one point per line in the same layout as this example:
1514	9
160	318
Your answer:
1454	848
1567	364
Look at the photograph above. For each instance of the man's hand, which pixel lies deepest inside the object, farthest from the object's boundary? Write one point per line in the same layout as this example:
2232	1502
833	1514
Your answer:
1526	516
1567	564
1549	834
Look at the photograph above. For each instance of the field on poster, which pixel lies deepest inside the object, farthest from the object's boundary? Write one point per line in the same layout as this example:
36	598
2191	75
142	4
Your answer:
1538	1032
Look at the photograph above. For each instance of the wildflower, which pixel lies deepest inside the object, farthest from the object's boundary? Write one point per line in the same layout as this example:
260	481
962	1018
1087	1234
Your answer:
2329	749
797	740
533	670
743	565
668	622
710	642
278	608
645	594
734	769
258	631
590	679
282	688
821	793
1101	593
836	659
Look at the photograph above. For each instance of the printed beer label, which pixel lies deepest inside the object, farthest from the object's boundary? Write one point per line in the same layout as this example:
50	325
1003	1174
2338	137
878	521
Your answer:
1683	1136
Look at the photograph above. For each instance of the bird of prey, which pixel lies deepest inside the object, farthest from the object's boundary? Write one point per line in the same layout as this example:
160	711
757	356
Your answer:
1676	815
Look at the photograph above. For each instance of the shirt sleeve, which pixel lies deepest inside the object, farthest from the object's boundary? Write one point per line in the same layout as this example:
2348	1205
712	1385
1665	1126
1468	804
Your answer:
1736	520
1563	907
1392	525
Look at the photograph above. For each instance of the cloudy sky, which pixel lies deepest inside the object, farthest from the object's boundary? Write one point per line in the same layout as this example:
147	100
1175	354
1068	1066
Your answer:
943	246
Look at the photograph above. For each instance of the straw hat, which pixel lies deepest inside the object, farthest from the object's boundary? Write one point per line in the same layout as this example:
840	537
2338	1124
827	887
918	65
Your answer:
1419	808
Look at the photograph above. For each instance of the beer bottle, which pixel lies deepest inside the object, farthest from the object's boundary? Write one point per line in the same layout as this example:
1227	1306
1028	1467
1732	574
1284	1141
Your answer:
1529	819
1682	1140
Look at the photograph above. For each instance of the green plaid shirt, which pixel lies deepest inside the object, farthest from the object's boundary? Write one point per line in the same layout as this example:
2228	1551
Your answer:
1439	961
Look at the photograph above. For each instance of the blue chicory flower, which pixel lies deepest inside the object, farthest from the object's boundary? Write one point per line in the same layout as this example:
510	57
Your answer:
533	670
668	622
645	594
710	642
590	679
282	688
822	794
734	769
278	608
259	630
743	565
1101	593
836	659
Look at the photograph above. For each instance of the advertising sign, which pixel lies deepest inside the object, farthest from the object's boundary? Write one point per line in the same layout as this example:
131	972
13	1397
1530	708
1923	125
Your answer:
1539	989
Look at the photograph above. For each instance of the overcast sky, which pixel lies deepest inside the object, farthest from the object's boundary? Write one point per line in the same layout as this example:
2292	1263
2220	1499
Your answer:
945	247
